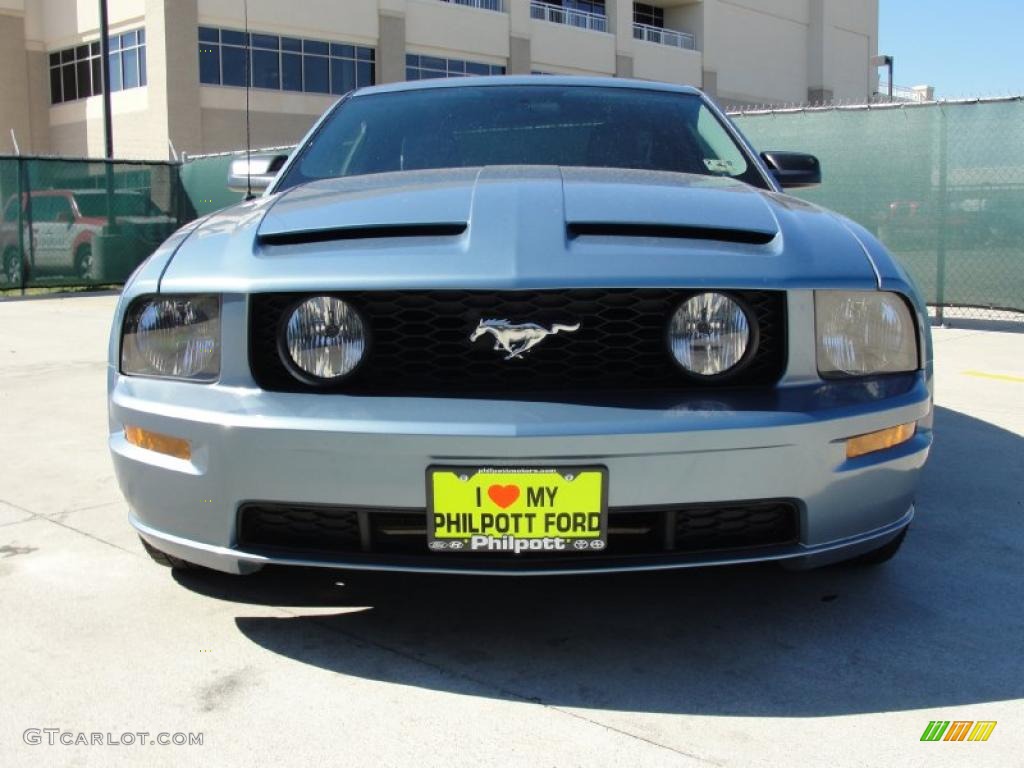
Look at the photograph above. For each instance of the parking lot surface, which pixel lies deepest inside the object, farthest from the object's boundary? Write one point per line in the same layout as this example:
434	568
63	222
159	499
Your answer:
736	666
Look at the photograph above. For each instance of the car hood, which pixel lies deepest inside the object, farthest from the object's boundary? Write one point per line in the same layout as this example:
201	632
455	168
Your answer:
520	227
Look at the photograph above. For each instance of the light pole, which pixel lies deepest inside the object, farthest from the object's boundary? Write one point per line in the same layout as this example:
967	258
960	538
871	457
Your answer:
108	127
108	135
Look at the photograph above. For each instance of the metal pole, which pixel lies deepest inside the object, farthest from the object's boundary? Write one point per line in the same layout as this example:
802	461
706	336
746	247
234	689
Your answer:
940	257
248	82
23	202
890	77
108	127
108	123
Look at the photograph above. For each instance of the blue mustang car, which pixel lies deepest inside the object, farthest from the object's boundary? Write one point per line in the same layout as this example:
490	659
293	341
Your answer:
521	325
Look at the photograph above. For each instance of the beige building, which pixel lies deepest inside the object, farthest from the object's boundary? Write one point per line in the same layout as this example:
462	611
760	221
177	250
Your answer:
179	67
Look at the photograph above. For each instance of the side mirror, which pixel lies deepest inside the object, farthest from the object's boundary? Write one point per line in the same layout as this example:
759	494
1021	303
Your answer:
256	171
793	169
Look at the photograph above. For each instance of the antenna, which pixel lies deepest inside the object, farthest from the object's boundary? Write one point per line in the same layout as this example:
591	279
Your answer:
248	134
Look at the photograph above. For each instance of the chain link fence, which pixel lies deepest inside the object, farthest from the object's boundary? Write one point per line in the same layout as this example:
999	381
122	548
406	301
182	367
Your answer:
84	223
941	184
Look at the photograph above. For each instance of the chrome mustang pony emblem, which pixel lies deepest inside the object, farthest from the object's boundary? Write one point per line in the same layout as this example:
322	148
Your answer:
519	339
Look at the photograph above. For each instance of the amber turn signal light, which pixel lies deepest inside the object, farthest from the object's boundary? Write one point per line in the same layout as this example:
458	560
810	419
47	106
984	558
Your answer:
880	440
154	441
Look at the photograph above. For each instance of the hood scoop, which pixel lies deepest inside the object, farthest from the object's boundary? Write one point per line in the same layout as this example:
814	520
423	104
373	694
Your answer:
385	205
669	231
613	202
331	234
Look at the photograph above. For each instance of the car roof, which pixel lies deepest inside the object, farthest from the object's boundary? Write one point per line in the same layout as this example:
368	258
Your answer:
499	80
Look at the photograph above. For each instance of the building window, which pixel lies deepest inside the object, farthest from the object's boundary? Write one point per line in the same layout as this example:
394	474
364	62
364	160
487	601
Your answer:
283	63
427	67
76	73
651	15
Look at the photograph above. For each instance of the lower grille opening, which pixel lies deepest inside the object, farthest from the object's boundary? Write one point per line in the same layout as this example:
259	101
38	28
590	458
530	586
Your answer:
301	527
403	533
322	531
734	526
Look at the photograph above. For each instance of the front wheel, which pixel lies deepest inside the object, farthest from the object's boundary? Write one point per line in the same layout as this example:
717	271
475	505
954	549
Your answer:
12	267
83	262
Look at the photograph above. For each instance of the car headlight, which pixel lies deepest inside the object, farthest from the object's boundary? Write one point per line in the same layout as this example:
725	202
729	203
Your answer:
864	332
172	336
710	334
324	339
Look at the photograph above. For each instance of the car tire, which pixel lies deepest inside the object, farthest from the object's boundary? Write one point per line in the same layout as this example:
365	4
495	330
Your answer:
83	261
883	554
13	267
166	560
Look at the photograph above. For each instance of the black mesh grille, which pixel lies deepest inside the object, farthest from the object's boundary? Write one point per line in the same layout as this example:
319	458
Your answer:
322	530
419	342
742	525
300	527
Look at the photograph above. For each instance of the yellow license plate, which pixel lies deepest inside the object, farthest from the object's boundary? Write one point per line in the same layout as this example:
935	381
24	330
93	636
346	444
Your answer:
502	510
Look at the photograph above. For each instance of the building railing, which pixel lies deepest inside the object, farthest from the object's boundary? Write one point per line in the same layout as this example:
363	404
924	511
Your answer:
485	5
595	22
902	93
664	36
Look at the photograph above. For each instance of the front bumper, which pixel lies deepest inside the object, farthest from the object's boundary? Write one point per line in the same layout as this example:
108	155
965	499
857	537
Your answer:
372	452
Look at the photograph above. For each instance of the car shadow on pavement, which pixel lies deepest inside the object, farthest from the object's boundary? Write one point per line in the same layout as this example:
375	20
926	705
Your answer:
940	625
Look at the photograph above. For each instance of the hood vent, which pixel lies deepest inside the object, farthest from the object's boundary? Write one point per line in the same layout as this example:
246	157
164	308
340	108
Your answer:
721	234
361	233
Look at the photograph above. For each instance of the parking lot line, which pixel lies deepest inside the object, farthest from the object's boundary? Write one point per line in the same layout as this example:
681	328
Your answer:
996	376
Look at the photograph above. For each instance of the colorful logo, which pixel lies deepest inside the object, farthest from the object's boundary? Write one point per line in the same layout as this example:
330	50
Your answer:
958	730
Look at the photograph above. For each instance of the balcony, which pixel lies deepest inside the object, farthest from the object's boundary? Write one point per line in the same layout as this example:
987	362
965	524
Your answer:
594	22
919	94
661	36
484	5
473	28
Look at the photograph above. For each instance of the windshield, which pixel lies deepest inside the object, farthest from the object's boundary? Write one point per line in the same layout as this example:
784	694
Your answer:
565	125
125	204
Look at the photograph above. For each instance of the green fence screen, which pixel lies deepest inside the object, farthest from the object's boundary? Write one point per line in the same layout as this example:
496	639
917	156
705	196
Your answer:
205	182
204	178
941	184
84	222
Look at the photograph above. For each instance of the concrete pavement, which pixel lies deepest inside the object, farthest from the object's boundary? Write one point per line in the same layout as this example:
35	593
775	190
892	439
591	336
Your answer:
737	667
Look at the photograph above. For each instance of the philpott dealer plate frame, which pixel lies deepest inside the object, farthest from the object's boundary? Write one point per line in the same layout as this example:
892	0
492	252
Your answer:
554	510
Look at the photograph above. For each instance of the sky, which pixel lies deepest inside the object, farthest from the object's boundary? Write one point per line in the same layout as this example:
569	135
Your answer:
963	48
